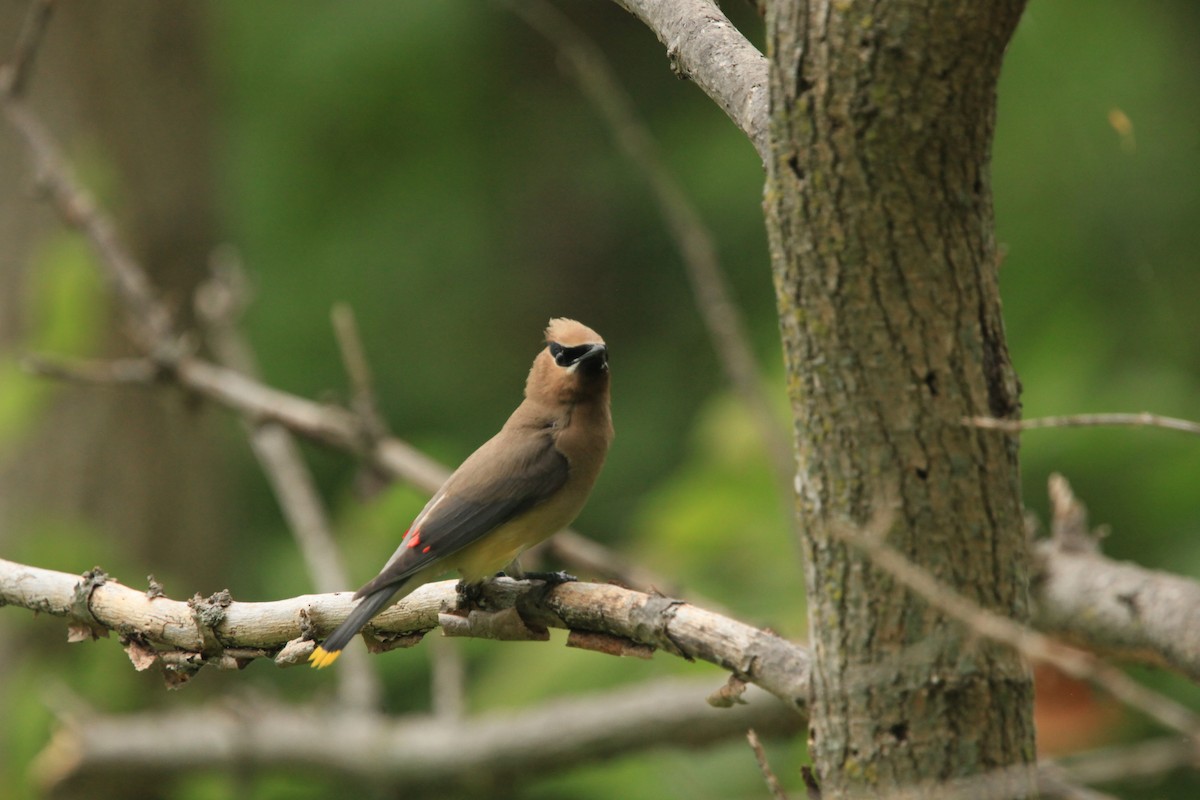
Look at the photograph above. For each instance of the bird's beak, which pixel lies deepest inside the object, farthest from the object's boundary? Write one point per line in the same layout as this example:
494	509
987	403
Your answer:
596	351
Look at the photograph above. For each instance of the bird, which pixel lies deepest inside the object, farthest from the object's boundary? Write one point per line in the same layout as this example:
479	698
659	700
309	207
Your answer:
527	482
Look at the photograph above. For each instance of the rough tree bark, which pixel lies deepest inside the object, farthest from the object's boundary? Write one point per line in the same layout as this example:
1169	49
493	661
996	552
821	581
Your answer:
880	218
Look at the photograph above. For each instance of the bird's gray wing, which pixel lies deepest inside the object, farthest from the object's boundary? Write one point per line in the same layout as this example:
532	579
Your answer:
506	476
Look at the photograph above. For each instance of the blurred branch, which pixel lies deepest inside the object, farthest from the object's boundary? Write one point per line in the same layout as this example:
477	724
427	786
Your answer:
92	371
1144	419
14	76
705	47
1035	646
1119	609
421	754
1121	762
205	630
764	766
692	237
147	318
358	369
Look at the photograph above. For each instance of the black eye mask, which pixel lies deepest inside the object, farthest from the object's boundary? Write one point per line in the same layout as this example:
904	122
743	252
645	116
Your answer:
569	356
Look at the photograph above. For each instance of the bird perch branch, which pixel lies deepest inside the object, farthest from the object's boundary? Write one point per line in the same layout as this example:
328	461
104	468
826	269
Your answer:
224	633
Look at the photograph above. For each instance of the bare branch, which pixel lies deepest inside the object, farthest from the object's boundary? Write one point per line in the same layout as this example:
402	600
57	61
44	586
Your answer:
421	753
693	239
1119	609
704	46
777	665
93	371
1144	419
148	320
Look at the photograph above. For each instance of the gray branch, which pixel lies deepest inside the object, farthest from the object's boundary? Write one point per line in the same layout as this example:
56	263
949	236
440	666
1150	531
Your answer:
1118	608
705	47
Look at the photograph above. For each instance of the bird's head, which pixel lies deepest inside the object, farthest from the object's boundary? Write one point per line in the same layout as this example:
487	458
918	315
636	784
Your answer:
572	368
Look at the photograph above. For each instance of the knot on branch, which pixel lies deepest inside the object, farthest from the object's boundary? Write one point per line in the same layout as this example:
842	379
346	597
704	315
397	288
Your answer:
652	623
84	624
208	613
503	625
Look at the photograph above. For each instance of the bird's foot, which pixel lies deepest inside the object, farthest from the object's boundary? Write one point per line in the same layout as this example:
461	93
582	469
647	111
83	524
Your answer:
470	595
551	578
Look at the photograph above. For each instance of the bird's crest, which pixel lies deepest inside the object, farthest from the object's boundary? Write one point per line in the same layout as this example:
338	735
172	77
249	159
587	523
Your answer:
570	333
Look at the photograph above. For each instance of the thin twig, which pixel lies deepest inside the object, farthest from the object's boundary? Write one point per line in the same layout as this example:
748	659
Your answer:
1144	419
693	239
362	383
999	628
764	766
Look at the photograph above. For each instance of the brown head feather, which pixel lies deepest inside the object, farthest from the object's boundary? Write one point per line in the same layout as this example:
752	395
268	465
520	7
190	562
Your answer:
552	385
570	333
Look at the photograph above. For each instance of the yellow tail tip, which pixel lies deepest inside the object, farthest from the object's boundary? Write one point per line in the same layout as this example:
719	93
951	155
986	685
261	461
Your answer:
322	658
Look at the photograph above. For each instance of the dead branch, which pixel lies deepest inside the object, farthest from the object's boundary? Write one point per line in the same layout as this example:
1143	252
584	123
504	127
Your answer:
1143	419
208	632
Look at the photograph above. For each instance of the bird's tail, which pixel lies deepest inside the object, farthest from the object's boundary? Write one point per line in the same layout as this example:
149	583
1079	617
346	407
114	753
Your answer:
329	650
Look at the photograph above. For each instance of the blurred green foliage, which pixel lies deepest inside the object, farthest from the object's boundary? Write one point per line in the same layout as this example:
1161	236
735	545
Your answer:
432	166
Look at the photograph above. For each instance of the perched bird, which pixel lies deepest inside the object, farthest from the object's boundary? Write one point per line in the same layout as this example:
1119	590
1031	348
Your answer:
528	481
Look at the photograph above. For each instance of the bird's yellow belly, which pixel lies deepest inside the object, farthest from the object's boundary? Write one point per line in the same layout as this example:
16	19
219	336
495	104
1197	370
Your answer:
498	549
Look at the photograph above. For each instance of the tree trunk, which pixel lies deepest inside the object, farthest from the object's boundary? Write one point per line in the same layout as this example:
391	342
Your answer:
880	217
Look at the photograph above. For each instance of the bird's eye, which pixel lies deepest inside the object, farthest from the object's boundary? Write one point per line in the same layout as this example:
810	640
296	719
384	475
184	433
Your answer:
566	356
